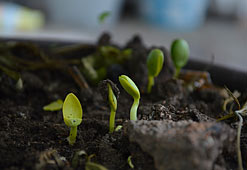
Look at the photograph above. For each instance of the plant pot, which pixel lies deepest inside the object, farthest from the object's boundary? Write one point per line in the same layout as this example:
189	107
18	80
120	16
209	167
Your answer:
176	126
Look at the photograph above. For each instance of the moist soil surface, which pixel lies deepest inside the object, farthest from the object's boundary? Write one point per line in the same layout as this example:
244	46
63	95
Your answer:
32	138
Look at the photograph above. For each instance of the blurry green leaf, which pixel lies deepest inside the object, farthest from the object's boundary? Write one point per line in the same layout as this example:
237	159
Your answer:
130	162
155	62
94	166
103	16
119	127
109	51
54	106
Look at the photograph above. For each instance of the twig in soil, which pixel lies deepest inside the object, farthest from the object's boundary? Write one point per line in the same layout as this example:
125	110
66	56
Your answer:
79	78
240	124
239	113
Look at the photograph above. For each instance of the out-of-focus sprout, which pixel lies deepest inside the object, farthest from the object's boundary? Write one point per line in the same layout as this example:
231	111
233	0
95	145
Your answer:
155	62
54	106
102	17
180	54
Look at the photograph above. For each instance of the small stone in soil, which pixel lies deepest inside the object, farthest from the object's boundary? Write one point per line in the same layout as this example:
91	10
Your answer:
183	144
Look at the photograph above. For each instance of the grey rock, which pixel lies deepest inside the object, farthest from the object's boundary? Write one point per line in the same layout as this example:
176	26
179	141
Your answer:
180	145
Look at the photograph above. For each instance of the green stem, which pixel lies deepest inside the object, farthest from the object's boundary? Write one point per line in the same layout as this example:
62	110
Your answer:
177	72
112	121
240	124
133	110
72	135
150	83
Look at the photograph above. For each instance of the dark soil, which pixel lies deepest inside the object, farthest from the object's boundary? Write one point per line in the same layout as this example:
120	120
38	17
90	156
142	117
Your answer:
32	138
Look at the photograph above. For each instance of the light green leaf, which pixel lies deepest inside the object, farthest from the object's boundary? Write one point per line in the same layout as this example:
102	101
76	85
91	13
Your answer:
180	52
155	62
54	106
130	162
72	111
129	86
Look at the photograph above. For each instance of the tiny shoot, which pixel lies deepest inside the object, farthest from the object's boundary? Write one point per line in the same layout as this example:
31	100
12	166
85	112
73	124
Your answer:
180	54
130	87
113	105
155	62
102	17
72	115
130	162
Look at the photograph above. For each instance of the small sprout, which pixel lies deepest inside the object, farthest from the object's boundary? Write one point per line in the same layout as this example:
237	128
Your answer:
118	128
130	162
179	54
103	16
155	62
72	115
54	106
113	105
130	87
19	84
110	92
76	162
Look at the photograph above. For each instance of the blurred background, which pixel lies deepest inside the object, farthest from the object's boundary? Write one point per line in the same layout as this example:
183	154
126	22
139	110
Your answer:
212	27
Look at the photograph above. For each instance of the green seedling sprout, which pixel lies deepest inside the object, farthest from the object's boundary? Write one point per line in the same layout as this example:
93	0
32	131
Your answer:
113	105
54	106
72	115
130	162
118	128
130	87
180	54
102	17
155	62
89	165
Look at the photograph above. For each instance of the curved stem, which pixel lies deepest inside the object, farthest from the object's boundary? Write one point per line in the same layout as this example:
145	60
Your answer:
133	110
240	124
112	121
177	72
72	135
150	83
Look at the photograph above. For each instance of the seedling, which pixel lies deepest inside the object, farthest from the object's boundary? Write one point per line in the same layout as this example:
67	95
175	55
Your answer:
130	162
102	17
72	115
110	92
89	165
155	62
179	54
130	87
113	105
